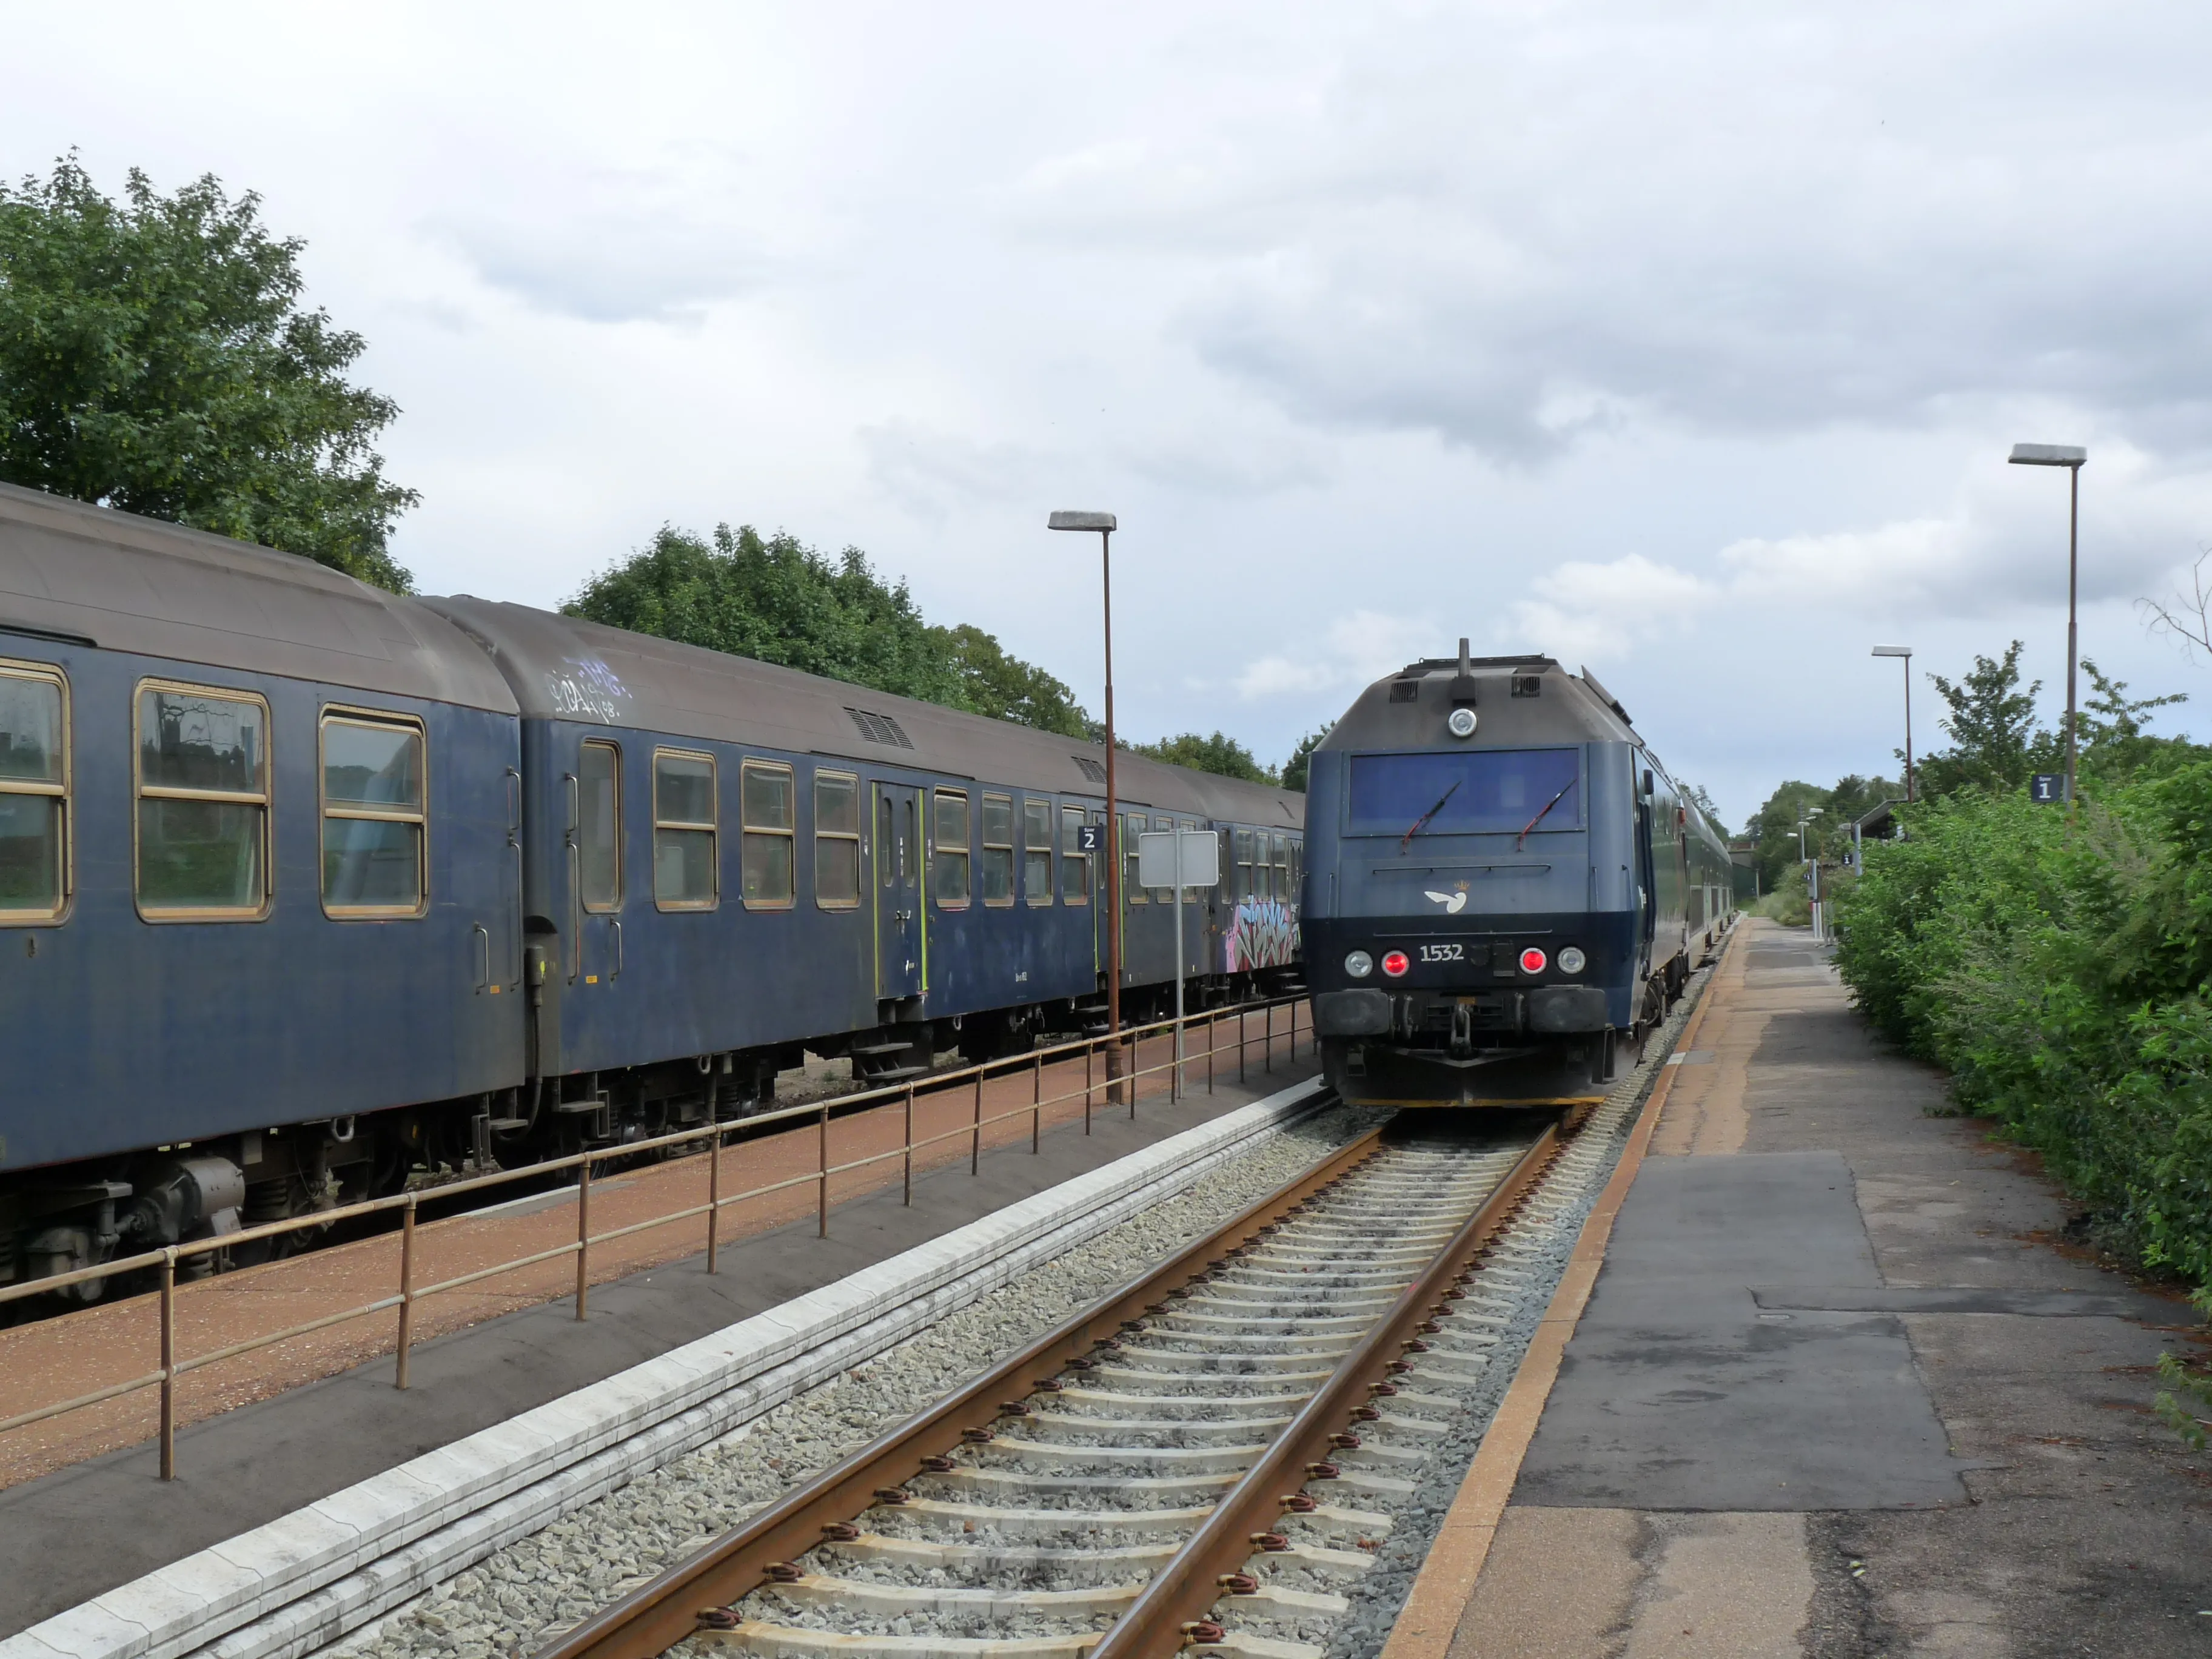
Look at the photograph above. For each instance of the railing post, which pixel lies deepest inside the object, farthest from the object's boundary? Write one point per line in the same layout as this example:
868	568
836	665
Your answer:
406	1291
822	1192
583	1233
908	1197
975	1141
1267	1052
1213	1036
1129	1071
1240	1045
169	1364
1037	1103
1087	1043
714	1192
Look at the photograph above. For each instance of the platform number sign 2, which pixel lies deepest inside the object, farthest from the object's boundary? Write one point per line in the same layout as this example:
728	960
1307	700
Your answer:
1090	838
2047	787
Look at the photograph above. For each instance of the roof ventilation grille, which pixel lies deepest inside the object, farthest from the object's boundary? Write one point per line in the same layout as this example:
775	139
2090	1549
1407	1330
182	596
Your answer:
1092	769
880	728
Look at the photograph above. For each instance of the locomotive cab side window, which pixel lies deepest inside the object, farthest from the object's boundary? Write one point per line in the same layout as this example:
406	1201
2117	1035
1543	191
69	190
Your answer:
685	820
836	841
1036	851
767	794
202	807
1075	862
948	871
35	793
996	875
598	825
375	820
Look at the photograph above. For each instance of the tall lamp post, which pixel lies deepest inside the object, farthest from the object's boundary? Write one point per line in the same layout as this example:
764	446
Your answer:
1103	523
1906	652
2073	460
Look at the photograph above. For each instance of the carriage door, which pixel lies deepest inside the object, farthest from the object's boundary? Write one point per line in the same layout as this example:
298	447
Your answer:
898	890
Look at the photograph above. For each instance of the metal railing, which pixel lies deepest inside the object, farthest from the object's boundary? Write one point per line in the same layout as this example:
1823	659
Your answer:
1120	1082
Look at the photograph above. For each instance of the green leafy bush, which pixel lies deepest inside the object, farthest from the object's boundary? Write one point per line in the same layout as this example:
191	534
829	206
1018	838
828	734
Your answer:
2059	972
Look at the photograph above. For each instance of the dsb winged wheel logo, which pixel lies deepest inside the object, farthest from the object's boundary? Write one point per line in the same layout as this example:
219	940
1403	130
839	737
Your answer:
1453	902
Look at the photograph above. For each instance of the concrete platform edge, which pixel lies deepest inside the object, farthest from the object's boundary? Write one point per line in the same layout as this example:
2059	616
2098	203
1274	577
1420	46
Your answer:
1433	1607
306	1579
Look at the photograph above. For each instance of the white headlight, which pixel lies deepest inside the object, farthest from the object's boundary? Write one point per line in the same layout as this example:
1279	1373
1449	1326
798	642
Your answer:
1462	723
1572	961
1359	964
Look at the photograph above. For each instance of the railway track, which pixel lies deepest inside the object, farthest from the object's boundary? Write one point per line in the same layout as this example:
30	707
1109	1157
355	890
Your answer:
1234	1429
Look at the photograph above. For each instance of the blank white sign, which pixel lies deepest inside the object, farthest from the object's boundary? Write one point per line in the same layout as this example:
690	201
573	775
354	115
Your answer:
1200	851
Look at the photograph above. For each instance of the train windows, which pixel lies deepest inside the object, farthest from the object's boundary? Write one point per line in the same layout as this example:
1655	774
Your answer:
203	804
34	758
766	796
1075	862
598	825
948	871
1036	851
1241	841
375	857
1459	791
1283	890
685	816
996	876
887	862
1131	893
1163	895
836	840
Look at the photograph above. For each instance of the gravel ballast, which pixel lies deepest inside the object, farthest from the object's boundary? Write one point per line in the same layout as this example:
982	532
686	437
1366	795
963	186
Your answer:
577	1564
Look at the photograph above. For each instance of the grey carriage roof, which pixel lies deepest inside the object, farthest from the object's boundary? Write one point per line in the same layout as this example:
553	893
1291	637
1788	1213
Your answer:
566	668
127	583
1572	708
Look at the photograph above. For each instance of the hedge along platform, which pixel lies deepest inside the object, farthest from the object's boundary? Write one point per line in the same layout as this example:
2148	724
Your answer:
306	1579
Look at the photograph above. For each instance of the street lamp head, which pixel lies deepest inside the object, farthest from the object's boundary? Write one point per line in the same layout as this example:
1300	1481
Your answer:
1893	651
1081	521
2048	455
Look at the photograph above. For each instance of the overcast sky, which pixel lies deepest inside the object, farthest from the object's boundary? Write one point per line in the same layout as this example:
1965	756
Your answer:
1686	343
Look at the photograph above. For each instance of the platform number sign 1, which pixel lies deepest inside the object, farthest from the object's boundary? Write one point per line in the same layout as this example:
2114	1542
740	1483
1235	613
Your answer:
2047	787
1090	838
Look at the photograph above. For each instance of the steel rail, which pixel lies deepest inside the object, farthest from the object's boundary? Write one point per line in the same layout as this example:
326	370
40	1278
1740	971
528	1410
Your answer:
1171	1608
658	1614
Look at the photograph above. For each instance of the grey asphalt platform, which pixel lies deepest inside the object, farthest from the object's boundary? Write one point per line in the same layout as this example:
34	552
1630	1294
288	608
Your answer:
1843	1387
70	1535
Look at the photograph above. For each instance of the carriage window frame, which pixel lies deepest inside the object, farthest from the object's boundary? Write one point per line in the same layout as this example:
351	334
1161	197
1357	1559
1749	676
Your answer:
1282	866
747	829
1032	893
1005	848
851	837
374	719
1131	892
616	824
1072	819
61	793
712	827
1240	854
140	792
943	853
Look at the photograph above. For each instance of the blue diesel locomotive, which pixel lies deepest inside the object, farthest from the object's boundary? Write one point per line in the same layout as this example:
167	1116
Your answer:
1503	887
304	885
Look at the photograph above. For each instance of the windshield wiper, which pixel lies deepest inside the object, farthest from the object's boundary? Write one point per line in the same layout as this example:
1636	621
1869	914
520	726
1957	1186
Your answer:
1538	818
1422	822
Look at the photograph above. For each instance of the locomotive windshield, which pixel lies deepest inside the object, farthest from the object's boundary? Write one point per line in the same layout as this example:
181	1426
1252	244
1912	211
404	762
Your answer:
1463	791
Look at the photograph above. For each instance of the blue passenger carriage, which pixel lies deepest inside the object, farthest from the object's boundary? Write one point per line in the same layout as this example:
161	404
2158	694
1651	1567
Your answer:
304	885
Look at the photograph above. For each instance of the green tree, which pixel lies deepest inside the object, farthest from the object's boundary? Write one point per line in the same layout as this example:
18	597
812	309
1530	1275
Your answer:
776	599
1295	768
1007	688
1219	754
1995	742
2114	745
154	357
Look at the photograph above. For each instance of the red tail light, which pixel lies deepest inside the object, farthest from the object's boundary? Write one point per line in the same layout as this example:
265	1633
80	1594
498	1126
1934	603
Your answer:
1533	961
1395	963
